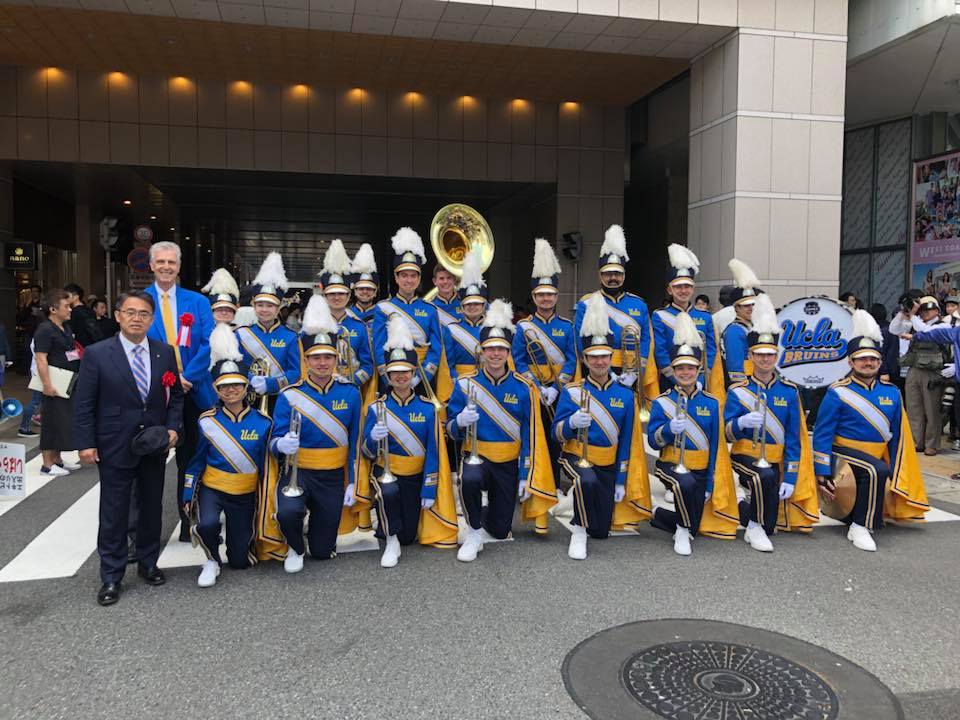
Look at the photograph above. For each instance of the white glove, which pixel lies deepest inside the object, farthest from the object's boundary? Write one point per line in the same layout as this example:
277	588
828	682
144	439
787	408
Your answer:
415	380
627	379
949	370
751	420
288	444
580	420
699	385
548	394
706	496
379	431
619	492
786	490
348	497
259	384
426	503
468	416
522	491
678	425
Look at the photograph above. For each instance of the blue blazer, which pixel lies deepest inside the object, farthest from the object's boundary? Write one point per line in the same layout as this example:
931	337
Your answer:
196	357
108	410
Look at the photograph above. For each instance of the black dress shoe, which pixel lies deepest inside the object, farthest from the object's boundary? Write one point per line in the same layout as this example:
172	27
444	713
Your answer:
109	594
152	576
185	534
131	554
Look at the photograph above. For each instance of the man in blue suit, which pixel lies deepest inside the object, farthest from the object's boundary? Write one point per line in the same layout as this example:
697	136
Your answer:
183	319
127	383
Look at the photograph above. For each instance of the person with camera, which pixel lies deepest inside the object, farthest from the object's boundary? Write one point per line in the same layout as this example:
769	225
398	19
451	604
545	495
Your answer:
946	334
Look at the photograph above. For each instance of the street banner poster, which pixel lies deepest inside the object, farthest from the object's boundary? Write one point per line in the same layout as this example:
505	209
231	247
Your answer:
12	482
935	227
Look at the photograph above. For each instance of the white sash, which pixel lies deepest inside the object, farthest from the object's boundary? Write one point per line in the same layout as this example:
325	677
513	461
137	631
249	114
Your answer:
445	317
463	336
227	445
494	410
389	308
693	431
318	415
549	347
620	317
405	436
871	413
669	319
256	349
772	423
599	413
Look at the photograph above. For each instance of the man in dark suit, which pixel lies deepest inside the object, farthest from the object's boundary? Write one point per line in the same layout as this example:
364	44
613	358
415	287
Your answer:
127	383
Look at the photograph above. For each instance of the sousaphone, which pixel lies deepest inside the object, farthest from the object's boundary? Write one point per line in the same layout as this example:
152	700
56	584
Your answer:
455	230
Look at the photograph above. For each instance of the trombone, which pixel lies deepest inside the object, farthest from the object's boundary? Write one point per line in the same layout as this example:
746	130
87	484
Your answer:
259	367
680	442
534	350
383	448
346	359
633	363
473	458
583	434
760	433
293	488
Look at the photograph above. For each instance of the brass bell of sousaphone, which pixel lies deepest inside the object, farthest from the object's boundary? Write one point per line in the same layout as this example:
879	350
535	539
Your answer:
455	230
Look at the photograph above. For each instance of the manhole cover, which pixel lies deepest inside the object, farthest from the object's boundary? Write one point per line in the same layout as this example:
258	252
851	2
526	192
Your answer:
703	670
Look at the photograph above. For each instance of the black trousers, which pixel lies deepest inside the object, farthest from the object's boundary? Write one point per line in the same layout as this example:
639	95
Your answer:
764	484
116	487
592	495
398	507
500	480
239	512
871	476
688	496
186	449
323	498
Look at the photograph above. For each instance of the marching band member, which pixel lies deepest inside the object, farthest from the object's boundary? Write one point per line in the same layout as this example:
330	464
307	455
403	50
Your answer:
686	426
734	338
230	460
323	451
764	420
365	282
420	316
224	296
861	421
447	300
269	341
626	310
493	413
682	273
461	339
413	487
609	470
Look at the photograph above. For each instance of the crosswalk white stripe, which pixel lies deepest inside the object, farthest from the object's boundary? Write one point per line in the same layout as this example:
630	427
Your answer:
33	480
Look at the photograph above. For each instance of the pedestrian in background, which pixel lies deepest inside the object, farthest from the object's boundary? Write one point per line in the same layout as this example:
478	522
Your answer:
106	325
83	322
27	419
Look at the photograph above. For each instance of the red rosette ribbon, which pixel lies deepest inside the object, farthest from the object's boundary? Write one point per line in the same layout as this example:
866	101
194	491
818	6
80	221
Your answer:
183	337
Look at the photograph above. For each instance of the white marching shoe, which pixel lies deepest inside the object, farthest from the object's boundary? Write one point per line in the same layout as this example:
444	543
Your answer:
681	541
391	553
208	574
293	563
757	538
471	546
668	497
578	543
861	538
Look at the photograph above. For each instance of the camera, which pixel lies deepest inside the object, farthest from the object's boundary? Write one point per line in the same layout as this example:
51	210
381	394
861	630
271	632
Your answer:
909	299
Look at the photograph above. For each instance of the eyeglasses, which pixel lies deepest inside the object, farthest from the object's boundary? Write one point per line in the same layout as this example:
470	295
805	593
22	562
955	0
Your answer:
141	314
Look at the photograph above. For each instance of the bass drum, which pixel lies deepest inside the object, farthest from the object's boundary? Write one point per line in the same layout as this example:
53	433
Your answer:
813	341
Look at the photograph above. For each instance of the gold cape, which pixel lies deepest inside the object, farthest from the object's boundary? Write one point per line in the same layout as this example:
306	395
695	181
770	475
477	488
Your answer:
269	541
721	517
714	377
906	498
541	484
802	511
637	504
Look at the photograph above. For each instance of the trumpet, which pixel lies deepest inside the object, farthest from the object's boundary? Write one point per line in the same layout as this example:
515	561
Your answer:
680	442
261	368
633	363
431	395
535	350
290	469
760	433
471	440
583	434
383	447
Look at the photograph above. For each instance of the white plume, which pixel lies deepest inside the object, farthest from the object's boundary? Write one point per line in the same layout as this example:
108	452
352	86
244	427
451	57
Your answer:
398	335
764	318
336	259
472	268
245	317
743	277
407	240
545	263
499	315
723	317
221	282
364	261
223	345
685	332
865	326
272	273
682	257
615	243
596	320
317	317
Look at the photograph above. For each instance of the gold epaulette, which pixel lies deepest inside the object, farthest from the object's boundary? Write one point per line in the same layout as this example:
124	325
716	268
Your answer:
209	413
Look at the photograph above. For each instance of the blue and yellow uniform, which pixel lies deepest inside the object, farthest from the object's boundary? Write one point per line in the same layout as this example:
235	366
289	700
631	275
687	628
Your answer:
736	346
363	314
555	335
461	343
327	460
663	321
279	346
359	339
421	317
224	476
448	311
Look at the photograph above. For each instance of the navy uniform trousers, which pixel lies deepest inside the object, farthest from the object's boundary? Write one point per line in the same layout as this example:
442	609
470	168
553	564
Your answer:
500	481
239	511
323	498
398	507
764	486
871	475
592	495
688	498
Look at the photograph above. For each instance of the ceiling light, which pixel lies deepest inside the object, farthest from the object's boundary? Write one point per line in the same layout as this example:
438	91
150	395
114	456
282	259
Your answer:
153	217
128	203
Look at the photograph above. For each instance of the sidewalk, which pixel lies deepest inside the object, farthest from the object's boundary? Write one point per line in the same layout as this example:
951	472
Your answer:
15	386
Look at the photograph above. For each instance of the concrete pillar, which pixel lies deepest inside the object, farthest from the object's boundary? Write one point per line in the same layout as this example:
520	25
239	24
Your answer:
766	151
8	291
91	275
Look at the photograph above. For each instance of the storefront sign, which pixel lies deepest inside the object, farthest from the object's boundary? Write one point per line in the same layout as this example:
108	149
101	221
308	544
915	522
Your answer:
20	256
935	235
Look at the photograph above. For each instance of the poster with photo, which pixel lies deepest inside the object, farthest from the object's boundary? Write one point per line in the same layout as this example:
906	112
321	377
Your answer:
935	246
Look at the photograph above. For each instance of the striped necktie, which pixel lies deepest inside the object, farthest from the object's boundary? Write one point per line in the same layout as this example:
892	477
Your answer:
140	372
